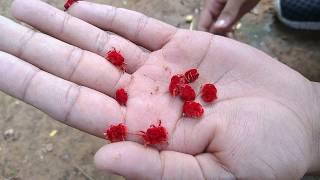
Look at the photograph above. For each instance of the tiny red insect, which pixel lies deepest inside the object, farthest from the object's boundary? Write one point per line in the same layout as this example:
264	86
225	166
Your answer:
69	3
209	93
187	93
116	58
191	75
192	109
154	135
116	133
175	84
122	96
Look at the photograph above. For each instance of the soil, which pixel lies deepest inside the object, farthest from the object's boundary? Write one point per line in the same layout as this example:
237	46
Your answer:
27	151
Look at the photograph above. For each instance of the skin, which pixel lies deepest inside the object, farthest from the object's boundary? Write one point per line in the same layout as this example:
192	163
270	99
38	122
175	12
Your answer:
218	16
264	125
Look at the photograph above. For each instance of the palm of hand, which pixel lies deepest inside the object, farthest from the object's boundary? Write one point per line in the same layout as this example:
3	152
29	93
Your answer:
258	99
255	117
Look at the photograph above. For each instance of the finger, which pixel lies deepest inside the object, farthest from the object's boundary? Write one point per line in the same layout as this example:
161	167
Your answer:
147	32
135	161
59	58
75	31
77	106
210	13
205	20
212	168
227	17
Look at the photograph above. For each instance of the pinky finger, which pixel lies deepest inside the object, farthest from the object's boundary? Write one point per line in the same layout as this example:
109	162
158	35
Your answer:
205	20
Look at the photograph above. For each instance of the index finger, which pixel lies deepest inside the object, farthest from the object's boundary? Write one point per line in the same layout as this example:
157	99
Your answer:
209	14
67	28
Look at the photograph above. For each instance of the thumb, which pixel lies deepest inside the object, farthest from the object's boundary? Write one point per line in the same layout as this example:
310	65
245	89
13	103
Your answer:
227	17
135	161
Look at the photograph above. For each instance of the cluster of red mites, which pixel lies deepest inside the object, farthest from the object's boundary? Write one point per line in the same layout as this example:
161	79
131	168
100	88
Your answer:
154	134
116	58
179	86
69	3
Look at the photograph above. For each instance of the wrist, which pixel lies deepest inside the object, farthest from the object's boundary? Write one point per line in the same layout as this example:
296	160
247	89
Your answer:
315	166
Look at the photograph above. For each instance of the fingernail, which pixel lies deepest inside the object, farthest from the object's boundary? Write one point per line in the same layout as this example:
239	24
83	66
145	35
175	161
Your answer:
220	23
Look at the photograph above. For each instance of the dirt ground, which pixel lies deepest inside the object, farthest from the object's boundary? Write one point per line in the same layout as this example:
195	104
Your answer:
27	151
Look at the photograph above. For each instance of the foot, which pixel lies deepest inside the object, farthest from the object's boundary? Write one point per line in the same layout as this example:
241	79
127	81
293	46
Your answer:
299	14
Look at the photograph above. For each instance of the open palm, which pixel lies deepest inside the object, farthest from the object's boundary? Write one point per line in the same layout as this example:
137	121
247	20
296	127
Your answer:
260	126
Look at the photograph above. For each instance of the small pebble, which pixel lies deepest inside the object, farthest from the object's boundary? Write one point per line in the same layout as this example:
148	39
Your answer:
66	157
238	26
49	147
189	18
196	11
255	11
17	102
53	133
10	134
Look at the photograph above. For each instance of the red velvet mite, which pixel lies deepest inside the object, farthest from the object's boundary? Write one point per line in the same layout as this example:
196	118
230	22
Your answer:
208	93
154	135
187	93
175	84
116	58
191	75
122	96
192	109
69	3
116	133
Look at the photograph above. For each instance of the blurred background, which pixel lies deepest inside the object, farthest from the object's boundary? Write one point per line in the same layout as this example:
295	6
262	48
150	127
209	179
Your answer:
35	147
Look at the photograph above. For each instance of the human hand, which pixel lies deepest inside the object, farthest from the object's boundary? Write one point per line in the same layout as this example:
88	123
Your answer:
218	16
263	124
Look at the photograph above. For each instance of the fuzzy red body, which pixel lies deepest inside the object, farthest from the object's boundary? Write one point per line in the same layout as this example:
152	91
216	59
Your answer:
122	96
116	133
175	84
191	75
192	109
69	3
155	135
116	58
209	93
187	93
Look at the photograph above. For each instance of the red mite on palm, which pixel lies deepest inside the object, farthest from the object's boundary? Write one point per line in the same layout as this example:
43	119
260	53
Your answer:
175	84
208	93
69	3
187	93
179	81
122	96
192	109
116	133
154	135
116	58
191	75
